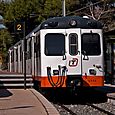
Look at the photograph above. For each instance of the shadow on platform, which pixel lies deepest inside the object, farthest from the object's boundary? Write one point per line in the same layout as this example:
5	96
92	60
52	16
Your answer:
5	93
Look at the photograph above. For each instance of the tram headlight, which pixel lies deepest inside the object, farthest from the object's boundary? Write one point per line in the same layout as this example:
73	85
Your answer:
92	71
73	23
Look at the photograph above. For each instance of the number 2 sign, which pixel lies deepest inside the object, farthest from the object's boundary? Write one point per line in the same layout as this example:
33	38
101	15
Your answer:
19	26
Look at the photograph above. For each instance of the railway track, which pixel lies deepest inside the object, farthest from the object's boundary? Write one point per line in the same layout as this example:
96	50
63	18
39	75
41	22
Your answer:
102	111
97	103
106	108
67	109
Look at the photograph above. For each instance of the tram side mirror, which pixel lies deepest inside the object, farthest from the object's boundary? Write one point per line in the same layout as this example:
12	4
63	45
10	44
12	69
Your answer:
83	52
78	52
85	55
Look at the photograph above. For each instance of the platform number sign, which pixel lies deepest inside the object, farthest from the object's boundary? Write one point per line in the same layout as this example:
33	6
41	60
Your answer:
19	26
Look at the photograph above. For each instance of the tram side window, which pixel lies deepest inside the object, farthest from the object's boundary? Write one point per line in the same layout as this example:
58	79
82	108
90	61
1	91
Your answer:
54	44
90	43
37	46
17	54
29	50
12	56
20	53
73	44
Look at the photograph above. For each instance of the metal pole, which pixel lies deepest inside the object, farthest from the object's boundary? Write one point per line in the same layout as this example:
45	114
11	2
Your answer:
63	8
24	56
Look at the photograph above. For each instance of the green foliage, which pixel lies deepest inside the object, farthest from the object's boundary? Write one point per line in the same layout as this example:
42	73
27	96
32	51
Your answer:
52	8
21	9
5	43
16	10
72	5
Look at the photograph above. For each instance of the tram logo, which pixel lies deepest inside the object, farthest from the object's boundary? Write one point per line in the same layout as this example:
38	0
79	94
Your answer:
73	62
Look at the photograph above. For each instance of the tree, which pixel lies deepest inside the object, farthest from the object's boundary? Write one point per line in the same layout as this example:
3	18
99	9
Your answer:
21	10
5	43
52	8
2	7
103	11
5	40
72	5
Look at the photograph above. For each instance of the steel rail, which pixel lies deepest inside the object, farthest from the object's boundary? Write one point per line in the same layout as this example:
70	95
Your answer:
67	109
100	109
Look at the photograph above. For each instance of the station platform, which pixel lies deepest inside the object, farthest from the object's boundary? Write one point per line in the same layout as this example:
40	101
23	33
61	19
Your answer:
25	102
107	88
110	90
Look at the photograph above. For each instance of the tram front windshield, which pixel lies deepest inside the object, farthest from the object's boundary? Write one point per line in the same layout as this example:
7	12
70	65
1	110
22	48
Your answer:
91	44
54	44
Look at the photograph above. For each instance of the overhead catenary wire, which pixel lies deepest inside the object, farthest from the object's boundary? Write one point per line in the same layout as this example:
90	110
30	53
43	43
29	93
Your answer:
83	8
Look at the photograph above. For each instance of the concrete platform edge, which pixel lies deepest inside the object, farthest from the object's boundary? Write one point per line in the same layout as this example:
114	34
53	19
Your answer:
50	109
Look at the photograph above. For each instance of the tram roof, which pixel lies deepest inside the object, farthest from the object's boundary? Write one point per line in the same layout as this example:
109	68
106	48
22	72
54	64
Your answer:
65	22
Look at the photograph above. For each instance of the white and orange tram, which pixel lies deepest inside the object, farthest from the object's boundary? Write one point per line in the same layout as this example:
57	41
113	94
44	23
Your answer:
62	52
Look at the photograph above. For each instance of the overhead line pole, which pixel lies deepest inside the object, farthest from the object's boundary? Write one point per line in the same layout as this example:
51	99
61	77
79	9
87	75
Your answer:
24	55
63	8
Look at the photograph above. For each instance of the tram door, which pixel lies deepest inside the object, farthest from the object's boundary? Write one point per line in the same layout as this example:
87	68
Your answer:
73	52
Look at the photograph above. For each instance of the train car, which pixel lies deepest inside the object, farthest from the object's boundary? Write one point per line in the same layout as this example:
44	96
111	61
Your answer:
62	52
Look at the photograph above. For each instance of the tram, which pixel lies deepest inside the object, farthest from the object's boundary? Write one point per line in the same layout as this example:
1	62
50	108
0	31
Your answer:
62	52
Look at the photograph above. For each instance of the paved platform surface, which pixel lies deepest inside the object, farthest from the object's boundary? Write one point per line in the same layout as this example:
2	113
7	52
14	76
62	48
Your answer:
24	102
110	90
107	88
